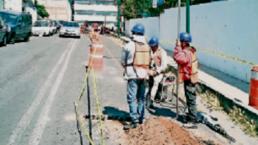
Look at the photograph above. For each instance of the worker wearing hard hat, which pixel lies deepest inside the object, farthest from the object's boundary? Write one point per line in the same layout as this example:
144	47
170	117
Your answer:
94	34
185	56
136	61
158	66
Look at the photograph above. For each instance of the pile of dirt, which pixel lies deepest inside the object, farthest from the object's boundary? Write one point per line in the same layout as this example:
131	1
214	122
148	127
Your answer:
155	131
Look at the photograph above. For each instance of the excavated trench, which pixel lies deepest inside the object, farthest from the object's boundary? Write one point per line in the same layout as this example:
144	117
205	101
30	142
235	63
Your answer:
155	131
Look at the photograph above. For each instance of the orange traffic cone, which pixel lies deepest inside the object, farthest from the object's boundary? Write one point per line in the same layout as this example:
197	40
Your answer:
253	95
96	57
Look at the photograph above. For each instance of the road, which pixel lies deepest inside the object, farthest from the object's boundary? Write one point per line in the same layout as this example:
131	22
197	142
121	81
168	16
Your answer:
38	83
40	80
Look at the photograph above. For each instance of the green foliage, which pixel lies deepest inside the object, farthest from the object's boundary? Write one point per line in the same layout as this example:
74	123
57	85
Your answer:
129	10
41	10
143	8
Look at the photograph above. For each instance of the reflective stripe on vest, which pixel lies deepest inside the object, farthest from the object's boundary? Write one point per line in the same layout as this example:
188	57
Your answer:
194	69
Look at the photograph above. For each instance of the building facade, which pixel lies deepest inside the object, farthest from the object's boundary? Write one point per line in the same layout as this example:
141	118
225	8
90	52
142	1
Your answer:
57	9
29	7
1	4
14	5
101	11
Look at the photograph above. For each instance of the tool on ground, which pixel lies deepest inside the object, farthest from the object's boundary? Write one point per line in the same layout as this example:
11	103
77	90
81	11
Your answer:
213	124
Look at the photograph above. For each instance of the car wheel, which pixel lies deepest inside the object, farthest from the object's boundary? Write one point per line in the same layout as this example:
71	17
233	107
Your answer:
12	39
27	38
4	41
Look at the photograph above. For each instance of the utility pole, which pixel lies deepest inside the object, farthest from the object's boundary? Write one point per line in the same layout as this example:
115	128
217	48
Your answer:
188	16
118	17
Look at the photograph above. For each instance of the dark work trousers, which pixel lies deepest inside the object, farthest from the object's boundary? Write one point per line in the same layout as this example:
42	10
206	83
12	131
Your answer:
190	94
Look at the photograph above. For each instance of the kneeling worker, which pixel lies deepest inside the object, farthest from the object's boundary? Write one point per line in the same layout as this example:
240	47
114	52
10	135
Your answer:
158	66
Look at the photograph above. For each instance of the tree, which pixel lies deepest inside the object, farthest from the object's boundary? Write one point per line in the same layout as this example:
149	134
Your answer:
141	8
128	9
41	10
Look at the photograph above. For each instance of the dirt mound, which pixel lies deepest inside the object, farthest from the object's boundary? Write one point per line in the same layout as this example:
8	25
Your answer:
155	131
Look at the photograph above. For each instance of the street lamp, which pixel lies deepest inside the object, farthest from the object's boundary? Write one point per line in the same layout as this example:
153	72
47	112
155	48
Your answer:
188	16
118	17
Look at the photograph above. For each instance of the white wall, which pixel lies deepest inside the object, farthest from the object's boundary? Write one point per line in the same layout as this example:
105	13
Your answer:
151	25
225	34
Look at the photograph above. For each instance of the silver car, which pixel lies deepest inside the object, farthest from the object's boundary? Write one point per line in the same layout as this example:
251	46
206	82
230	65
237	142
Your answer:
71	29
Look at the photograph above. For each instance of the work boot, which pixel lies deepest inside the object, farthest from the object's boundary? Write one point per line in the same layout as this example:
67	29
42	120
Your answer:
141	121
188	119
130	126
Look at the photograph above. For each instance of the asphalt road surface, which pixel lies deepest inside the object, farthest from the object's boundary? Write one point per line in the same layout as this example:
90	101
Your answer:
39	81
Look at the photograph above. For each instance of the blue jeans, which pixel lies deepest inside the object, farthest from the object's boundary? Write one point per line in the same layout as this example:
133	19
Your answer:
135	98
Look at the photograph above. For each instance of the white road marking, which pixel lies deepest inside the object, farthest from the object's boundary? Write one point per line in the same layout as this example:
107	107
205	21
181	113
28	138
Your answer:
44	115
27	117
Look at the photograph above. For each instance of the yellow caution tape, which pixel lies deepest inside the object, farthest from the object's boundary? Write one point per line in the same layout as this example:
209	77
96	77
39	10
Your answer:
78	106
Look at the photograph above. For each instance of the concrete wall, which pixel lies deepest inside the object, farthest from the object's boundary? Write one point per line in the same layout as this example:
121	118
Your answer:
151	26
225	34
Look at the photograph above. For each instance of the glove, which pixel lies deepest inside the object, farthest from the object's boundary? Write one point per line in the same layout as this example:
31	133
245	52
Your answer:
152	72
178	43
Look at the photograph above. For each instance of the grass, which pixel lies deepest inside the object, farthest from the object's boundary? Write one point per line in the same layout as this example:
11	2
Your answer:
236	114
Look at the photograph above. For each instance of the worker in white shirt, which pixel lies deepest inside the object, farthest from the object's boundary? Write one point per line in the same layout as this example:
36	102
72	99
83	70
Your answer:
136	62
158	66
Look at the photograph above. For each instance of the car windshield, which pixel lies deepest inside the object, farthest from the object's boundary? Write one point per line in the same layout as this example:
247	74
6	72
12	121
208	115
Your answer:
8	18
41	24
71	24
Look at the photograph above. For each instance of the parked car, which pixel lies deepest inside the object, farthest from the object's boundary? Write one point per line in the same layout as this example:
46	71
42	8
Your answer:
41	28
19	25
70	29
3	33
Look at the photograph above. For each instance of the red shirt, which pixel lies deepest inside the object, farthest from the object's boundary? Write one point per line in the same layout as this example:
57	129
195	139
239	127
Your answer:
183	58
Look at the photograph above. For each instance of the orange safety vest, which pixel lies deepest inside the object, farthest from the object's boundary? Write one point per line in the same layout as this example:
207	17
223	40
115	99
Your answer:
157	58
142	57
193	72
